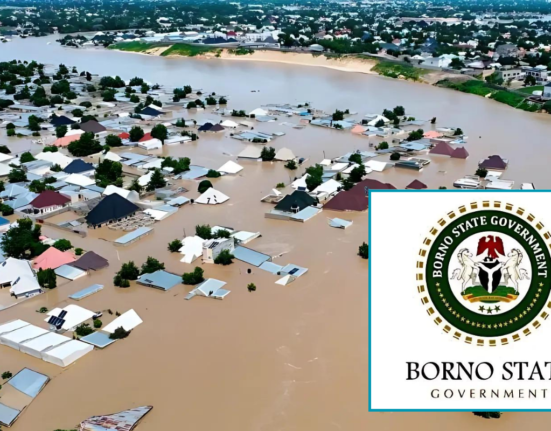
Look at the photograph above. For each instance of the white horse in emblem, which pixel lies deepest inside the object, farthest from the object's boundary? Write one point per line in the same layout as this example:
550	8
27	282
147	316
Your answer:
511	270
469	268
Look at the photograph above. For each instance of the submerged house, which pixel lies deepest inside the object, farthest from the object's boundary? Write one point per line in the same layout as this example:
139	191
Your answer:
460	153
211	288
213	247
494	162
53	258
356	199
298	206
443	149
111	208
416	185
160	279
49	201
79	166
91	261
19	276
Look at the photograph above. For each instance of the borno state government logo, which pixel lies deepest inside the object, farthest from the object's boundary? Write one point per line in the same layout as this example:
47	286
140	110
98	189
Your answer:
482	273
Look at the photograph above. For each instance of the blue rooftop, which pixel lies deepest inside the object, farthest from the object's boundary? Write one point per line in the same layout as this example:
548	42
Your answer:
160	280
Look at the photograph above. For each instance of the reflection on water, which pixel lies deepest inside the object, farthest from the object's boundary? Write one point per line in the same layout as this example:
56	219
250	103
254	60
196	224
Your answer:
282	358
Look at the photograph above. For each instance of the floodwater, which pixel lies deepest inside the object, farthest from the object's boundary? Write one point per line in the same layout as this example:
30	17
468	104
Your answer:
282	358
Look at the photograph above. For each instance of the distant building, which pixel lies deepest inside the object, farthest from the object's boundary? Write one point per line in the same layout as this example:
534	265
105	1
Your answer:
515	74
316	48
507	50
537	72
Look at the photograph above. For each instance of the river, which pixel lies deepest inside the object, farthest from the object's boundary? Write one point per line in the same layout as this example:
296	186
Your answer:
288	358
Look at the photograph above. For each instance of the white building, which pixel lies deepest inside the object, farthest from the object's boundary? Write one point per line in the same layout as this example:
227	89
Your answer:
213	247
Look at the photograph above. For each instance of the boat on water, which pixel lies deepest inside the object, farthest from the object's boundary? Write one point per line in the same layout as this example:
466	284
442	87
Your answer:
468	182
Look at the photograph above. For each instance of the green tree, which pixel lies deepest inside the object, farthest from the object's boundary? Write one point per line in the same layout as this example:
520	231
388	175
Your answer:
174	246
356	158
47	278
156	181
213	174
291	165
60	131
267	154
347	184
363	251
119	334
37	186
50	149
192	278
63	244
160	132
395	156
457	63
481	172
17	176
151	265
415	135
495	78
108	172
529	81
357	173
136	186
136	133
315	177
338	115
399	111
383	146
222	233
203	231
83	330
113	141
204	186
26	157
224	258
6	375
85	145
10	132
251	287
129	271
97	323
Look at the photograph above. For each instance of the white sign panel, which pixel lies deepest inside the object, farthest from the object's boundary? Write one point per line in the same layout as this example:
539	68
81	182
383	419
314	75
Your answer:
460	300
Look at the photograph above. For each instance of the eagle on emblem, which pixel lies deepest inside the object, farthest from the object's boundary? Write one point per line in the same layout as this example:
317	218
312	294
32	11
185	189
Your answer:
494	245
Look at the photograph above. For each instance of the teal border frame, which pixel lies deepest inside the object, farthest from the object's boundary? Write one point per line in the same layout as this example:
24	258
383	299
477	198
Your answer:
369	407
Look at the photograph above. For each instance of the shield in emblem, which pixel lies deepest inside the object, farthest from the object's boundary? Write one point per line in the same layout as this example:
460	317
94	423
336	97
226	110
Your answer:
489	274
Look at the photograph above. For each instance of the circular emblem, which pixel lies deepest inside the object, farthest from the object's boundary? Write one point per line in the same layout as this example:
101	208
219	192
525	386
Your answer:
483	273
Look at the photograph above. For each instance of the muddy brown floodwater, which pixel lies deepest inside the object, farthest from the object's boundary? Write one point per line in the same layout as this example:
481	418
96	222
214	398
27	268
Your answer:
288	358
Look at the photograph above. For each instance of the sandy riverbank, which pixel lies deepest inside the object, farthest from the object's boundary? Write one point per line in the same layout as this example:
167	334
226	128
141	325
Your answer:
343	64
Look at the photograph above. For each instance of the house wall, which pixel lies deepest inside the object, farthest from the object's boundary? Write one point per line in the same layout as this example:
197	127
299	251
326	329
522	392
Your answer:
210	254
512	74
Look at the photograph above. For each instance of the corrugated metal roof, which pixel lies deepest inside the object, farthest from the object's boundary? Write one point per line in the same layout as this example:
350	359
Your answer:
160	279
250	256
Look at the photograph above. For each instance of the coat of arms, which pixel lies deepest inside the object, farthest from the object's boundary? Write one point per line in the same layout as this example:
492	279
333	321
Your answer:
493	275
